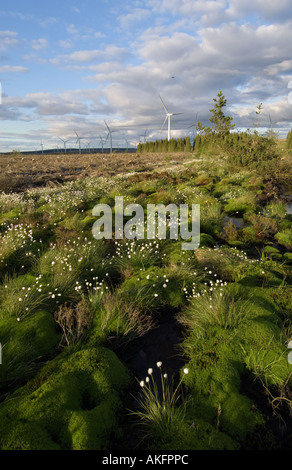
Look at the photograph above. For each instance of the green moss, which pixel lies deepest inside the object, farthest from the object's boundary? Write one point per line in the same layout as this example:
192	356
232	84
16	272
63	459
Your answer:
156	288
25	343
8	217
241	204
91	430
271	252
214	383
206	240
72	404
285	238
288	257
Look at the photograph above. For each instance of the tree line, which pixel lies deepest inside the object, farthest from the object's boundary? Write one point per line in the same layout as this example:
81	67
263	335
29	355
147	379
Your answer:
242	148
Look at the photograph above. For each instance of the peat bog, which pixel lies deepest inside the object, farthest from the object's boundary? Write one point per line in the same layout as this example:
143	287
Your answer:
136	344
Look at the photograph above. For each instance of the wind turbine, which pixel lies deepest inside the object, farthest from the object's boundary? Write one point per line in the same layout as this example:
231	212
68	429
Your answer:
64	141
167	117
127	144
144	135
110	131
88	146
102	141
79	141
271	122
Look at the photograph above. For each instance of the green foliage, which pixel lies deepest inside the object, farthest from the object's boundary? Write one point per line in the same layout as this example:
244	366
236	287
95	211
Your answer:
285	238
214	384
71	404
222	123
116	322
217	307
65	298
156	288
244	203
166	146
25	343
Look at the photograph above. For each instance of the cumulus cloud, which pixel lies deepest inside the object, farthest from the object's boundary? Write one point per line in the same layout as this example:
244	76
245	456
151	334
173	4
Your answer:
86	56
71	29
250	63
40	43
8	39
12	68
190	50
136	15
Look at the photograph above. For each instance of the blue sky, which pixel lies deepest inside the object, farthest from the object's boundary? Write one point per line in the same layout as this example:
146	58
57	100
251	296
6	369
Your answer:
68	66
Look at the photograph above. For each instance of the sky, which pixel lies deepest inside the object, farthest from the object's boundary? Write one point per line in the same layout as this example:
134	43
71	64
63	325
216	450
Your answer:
68	67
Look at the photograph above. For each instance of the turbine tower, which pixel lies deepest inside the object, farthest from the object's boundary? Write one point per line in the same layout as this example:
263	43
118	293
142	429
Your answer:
102	141
79	141
144	135
64	142
167	117
110	131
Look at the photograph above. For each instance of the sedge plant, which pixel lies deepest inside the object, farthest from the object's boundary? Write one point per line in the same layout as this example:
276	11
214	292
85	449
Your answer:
161	407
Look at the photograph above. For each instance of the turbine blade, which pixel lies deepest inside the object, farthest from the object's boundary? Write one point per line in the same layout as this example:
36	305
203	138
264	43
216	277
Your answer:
163	105
164	122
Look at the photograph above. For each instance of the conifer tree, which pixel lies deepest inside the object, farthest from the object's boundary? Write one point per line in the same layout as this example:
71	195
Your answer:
222	123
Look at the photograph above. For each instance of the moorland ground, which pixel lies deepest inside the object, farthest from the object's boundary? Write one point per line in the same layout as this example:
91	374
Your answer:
85	323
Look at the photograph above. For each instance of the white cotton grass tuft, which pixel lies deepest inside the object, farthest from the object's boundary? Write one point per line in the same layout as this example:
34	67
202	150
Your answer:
160	402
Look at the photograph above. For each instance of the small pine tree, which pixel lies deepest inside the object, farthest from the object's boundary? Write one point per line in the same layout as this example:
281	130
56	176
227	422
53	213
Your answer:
222	123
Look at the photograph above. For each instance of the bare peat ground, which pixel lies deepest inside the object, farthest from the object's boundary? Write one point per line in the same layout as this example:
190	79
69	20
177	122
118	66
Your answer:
20	172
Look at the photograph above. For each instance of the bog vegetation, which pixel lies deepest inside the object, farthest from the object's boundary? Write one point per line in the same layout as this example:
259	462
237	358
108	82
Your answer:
76	314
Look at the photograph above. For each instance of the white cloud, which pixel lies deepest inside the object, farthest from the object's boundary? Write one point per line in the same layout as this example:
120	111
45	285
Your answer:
71	29
132	18
40	43
47	22
65	44
111	52
8	39
12	68
193	49
265	9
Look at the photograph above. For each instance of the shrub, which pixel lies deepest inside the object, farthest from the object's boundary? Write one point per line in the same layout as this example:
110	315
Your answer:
74	320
